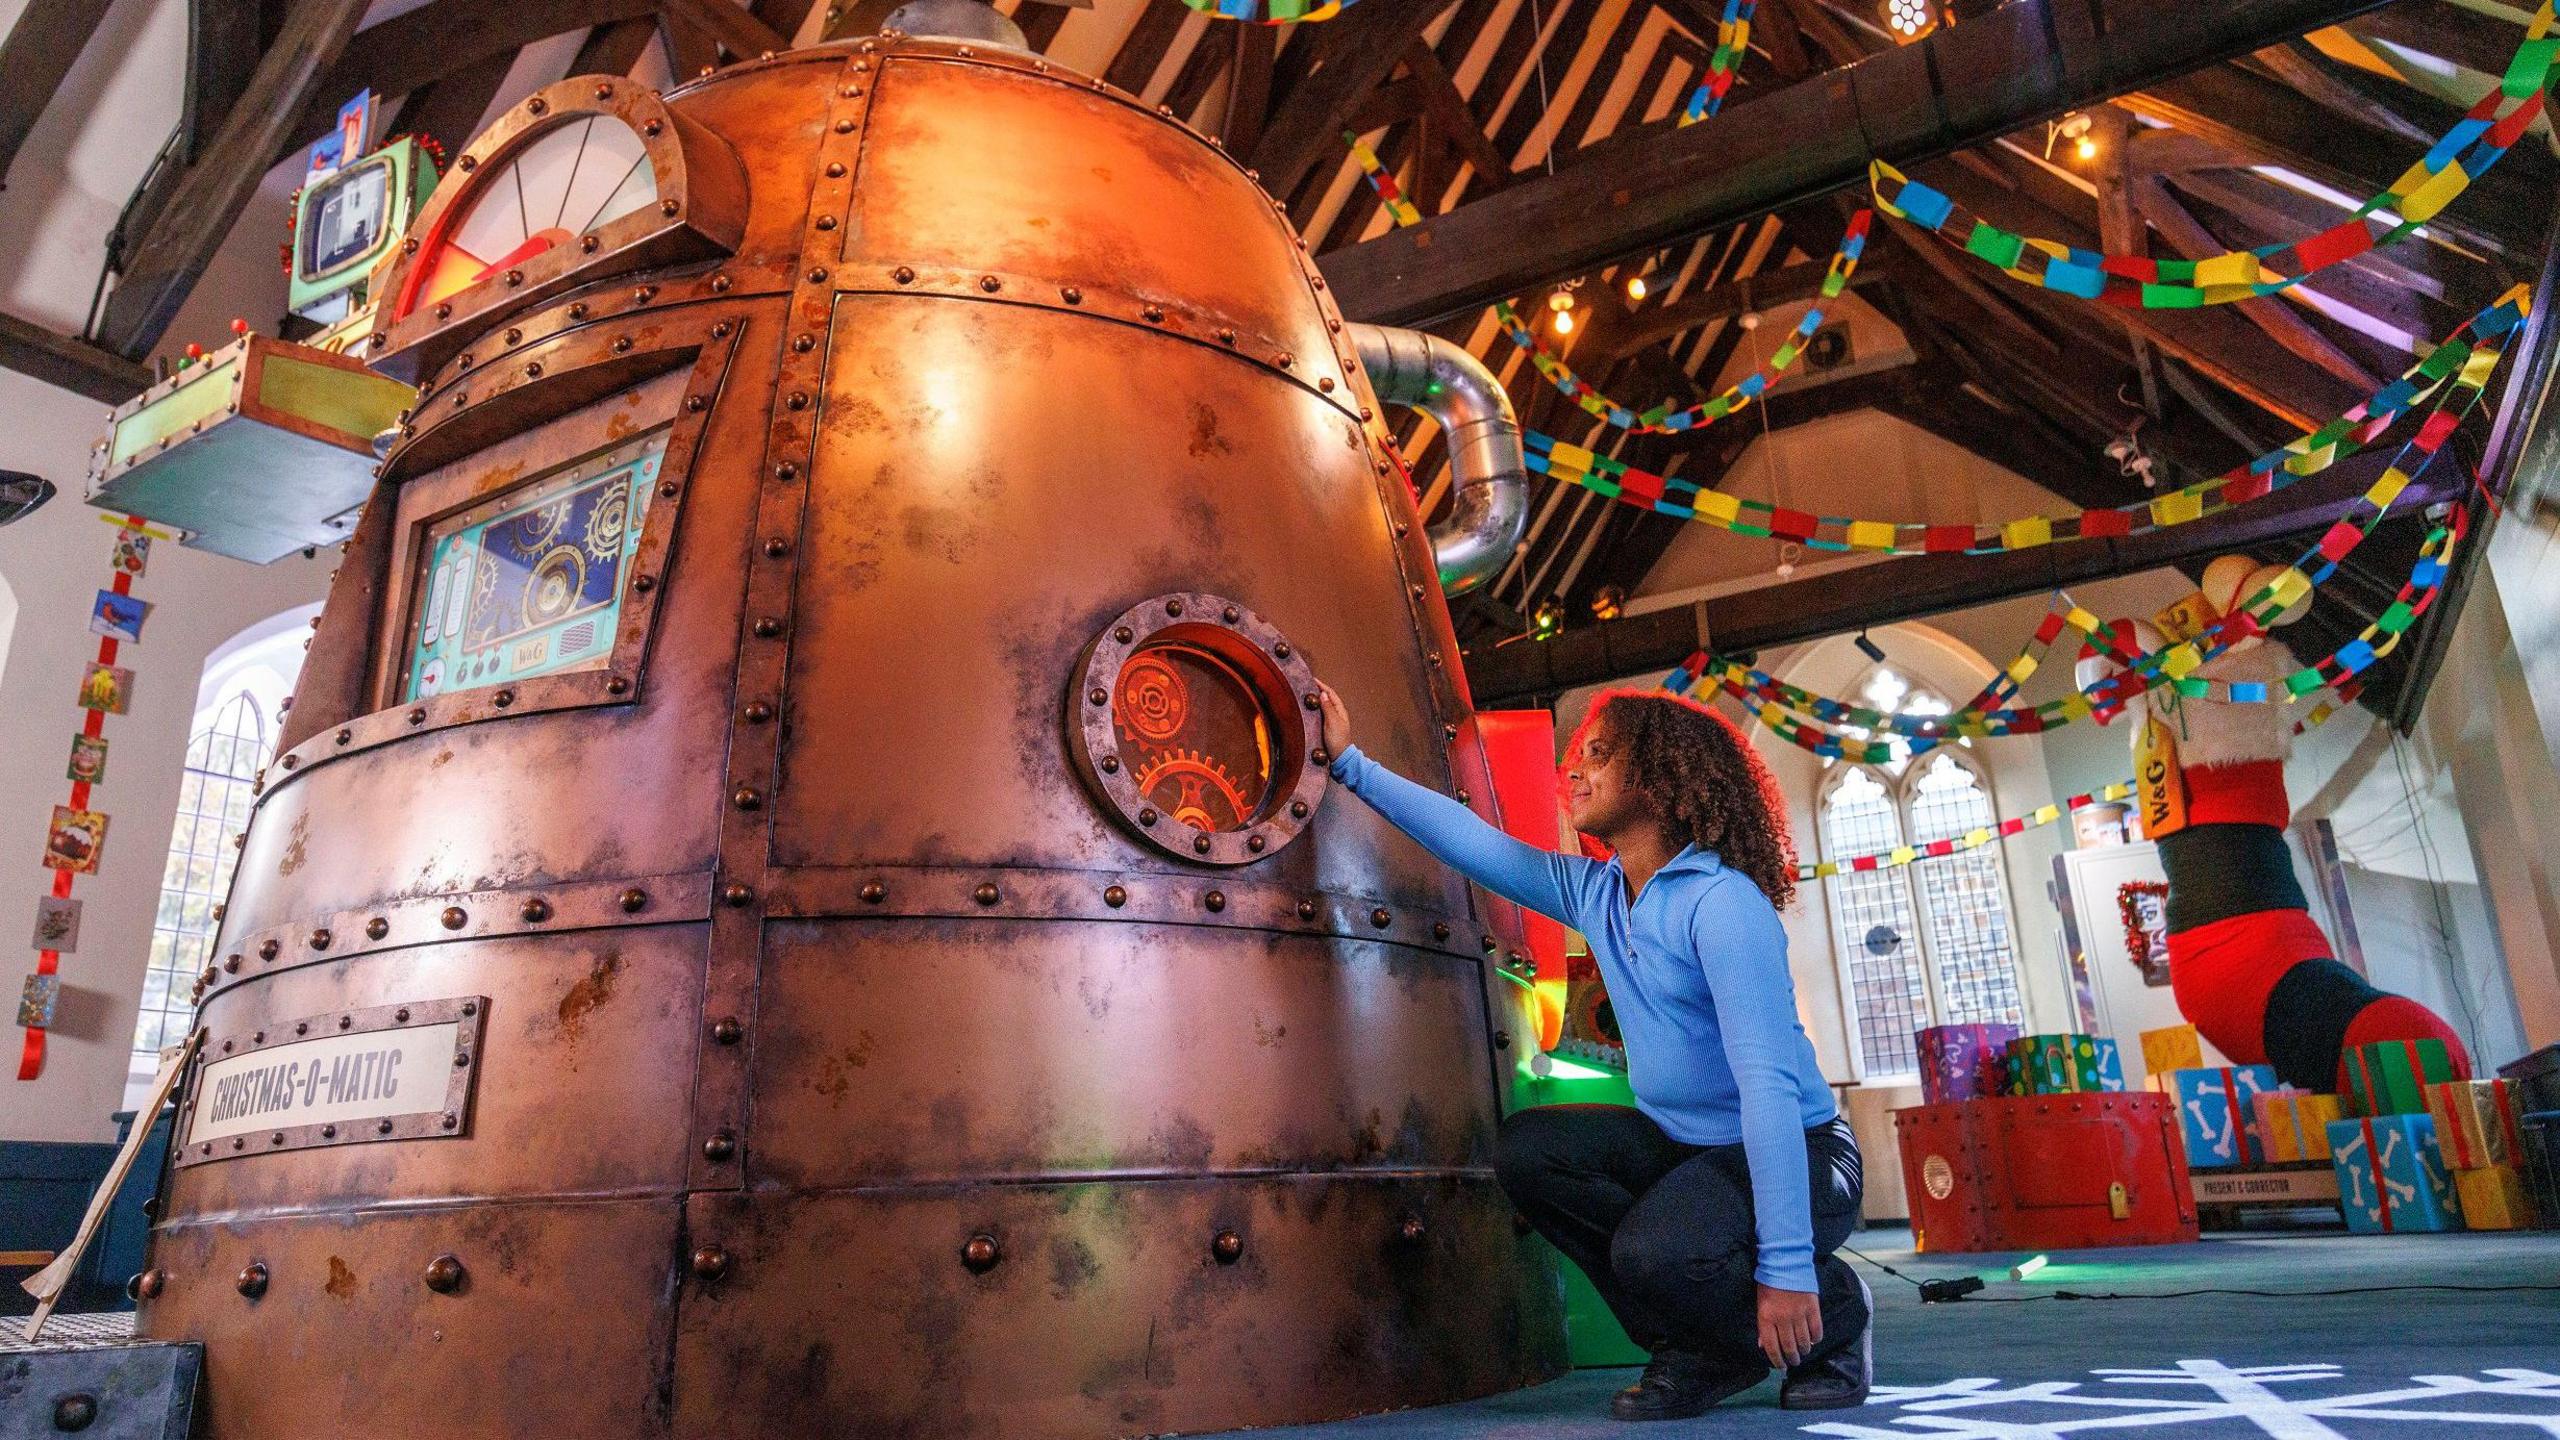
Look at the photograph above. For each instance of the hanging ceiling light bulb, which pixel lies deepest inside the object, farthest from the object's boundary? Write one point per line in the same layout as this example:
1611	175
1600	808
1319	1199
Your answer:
1635	287
1564	322
1910	19
1561	300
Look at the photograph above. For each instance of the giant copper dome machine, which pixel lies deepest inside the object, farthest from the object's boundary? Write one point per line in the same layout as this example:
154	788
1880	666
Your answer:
798	894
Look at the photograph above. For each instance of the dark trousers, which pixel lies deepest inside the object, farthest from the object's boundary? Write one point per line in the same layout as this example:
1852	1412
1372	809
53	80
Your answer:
1665	1229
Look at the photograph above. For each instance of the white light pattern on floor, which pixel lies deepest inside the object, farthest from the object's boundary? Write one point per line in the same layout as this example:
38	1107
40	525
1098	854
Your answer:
2314	1396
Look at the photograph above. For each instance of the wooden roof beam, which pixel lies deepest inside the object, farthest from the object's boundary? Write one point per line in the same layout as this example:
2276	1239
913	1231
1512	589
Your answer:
39	53
1359	49
1647	186
1913	586
168	259
73	365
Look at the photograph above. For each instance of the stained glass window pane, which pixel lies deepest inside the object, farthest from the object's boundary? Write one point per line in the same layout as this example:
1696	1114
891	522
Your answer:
1878	928
222	764
1966	898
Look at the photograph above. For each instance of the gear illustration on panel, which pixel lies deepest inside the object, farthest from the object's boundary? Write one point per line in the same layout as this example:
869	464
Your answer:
1195	790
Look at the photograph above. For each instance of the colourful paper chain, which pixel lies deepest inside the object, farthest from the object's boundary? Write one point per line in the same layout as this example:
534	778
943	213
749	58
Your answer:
1733	33
2035	819
2297	459
1271	12
1660	419
2340	667
2465	152
2180	660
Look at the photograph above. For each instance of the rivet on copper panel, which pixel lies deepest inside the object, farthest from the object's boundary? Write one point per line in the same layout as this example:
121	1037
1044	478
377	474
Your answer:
266	950
1147	816
1306	909
514	334
590	244
535	910
826	222
621	344
986	893
1318	758
1173	607
1255	843
747	797
980	1253
455	917
291	761
1154	314
736	893
617	685
515	278
786	471
503	698
1411	1230
796	400
1461	795
1380	918
1227	1246
402	1014
1490	945
643	294
252	1280
873	892
445	1274
320	939
239	1143
1403	528
667	488
1071	295
851	92
727	1030
904	275
301	1027
757	712
775	545
1501	1039
803	344
669	208
1200	844
1297	809
1216	900
1439	929
1124	634
989	283
767	627
1325	383
1097	695
633	899
328	1132
720	331
444	311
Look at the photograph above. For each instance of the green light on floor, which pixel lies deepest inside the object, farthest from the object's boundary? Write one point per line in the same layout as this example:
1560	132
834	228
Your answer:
2027	1267
1559	1068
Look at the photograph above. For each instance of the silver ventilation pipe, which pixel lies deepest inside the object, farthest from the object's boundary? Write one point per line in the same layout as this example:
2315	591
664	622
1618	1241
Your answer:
1489	510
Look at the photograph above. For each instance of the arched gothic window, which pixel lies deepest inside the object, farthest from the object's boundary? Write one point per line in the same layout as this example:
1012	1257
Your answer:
1930	943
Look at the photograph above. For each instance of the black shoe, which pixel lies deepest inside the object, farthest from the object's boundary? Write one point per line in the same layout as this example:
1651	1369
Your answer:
1837	1380
1678	1384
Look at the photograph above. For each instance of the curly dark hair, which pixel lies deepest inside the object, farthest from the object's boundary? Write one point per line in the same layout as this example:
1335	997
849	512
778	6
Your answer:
1699	773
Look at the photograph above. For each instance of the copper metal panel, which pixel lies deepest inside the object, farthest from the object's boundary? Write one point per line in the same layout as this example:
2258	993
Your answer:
895	1050
584	1069
929	682
559	1325
952	178
1108	1311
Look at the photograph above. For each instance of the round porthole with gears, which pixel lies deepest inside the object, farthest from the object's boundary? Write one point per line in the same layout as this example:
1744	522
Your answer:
1194	721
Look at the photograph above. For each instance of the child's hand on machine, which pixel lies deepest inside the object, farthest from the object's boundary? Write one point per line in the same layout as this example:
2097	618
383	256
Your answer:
1337	720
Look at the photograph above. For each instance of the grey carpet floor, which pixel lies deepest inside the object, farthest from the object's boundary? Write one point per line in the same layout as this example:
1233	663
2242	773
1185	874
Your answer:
2483	1365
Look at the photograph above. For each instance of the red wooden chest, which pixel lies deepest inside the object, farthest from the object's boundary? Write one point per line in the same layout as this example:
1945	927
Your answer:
2046	1172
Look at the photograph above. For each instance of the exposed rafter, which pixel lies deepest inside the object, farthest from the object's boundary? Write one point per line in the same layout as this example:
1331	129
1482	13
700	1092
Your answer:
40	50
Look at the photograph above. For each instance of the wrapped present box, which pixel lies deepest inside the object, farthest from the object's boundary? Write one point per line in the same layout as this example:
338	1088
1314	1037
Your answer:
2293	1125
2064	1065
2476	1123
2494	1198
2389	1077
2214	1111
1963	1062
2391	1175
2177	1047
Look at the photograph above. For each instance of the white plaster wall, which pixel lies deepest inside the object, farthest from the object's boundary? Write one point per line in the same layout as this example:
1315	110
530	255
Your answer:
55	561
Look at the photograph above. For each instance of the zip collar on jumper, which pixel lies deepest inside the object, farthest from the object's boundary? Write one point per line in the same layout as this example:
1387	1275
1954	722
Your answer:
1691	859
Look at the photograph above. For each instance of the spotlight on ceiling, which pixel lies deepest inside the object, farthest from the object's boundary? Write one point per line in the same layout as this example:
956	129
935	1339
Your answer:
1910	19
21	493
